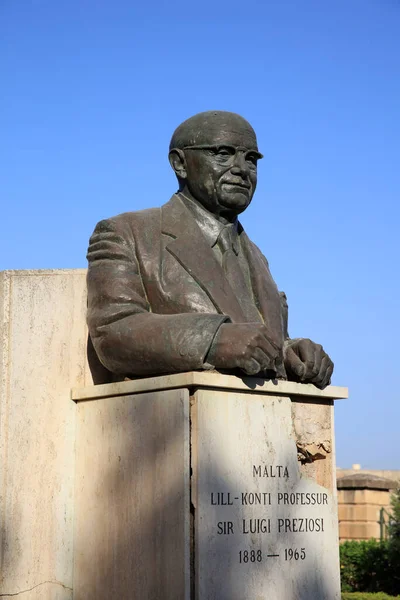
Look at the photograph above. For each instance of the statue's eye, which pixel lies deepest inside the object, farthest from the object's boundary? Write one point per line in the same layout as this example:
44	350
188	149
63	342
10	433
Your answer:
224	152
252	159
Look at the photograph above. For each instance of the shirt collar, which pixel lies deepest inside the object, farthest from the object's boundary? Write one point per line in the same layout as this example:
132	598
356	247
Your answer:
209	225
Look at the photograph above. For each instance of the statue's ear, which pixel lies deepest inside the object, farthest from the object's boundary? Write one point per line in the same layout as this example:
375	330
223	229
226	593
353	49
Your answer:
178	162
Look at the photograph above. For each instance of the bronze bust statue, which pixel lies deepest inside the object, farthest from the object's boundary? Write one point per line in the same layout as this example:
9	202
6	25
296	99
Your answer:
182	287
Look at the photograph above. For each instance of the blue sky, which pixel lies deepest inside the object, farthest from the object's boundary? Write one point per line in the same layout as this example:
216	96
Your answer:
92	90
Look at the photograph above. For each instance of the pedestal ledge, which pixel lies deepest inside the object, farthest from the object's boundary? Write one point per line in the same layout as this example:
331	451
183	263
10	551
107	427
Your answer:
203	486
207	380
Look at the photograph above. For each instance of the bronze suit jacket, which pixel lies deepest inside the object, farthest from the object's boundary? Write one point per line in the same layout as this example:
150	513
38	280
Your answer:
157	295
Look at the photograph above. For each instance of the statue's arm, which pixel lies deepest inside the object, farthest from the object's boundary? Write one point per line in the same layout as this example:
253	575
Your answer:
127	336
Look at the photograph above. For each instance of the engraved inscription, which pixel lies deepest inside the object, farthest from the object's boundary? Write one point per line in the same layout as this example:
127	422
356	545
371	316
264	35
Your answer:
261	526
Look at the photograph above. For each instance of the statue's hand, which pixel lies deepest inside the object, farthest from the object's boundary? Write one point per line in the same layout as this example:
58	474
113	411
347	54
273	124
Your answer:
245	346
307	362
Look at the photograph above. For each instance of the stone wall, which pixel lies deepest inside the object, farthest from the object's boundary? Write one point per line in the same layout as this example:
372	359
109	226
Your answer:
392	474
361	496
43	341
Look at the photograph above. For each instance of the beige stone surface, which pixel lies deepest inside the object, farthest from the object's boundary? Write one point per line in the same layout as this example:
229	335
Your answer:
132	529
387	473
358	530
362	512
212	380
359	513
365	481
116	501
376	497
133	454
241	515
42	354
313	424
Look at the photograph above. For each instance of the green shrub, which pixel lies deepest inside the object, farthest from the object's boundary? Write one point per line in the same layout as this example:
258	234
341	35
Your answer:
364	566
394	543
394	528
373	566
366	596
370	566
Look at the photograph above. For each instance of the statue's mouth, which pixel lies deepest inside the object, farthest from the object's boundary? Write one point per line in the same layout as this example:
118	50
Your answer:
237	184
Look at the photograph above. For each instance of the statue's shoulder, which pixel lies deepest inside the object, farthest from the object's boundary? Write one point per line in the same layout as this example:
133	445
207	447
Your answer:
138	216
141	220
130	222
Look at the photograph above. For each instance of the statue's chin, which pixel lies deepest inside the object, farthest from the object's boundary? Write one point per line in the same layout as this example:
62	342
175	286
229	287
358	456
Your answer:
236	200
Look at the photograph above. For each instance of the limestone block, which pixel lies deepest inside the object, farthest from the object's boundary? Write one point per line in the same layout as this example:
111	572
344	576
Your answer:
362	512
213	380
255	515
42	354
353	530
377	497
132	529
362	481
393	475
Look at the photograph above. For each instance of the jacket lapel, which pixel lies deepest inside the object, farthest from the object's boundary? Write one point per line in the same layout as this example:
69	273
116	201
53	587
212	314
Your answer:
265	292
192	251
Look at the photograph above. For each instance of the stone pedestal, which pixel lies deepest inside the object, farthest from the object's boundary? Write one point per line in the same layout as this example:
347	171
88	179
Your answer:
165	470
201	486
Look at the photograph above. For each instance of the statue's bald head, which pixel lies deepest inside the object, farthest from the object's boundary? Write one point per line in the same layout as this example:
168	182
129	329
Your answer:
214	127
214	155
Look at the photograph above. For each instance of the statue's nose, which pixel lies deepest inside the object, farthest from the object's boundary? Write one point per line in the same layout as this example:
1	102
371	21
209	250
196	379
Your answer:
239	166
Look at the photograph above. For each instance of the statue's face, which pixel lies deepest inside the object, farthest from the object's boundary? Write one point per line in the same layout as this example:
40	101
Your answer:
222	174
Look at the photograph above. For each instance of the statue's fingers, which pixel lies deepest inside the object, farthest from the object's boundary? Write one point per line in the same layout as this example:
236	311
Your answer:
267	336
265	361
320	377
294	364
328	375
251	366
319	356
325	373
307	351
280	368
267	347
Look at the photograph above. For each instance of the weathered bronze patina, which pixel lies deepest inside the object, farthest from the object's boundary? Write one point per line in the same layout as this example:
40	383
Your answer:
181	287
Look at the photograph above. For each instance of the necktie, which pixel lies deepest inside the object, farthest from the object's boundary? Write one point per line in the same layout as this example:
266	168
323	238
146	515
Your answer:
236	278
